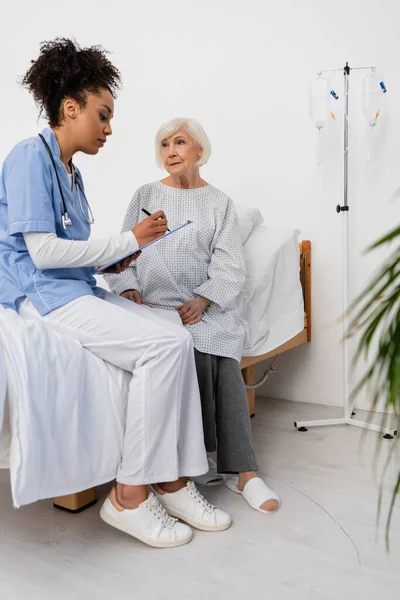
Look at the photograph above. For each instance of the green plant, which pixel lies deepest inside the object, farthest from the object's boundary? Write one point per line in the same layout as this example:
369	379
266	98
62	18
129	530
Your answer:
375	315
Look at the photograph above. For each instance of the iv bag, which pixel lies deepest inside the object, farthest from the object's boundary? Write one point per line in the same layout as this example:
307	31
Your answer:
374	92
373	98
319	101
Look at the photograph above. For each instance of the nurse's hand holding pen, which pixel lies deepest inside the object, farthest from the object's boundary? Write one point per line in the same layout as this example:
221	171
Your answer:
151	228
146	231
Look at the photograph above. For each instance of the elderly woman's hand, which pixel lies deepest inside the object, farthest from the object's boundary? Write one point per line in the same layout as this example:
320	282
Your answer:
134	296
192	310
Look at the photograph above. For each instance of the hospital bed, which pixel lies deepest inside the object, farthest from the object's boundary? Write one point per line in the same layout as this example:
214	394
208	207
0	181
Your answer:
287	314
51	452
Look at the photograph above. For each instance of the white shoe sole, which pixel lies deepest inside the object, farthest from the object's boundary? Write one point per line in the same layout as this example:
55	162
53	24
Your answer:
182	517
150	542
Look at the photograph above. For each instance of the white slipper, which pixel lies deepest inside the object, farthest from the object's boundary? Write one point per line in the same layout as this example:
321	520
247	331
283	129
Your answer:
255	492
211	478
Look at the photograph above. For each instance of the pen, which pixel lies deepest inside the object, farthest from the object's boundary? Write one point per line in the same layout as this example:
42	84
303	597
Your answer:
149	214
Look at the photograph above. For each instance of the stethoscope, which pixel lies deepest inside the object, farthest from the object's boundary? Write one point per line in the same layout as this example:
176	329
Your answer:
66	221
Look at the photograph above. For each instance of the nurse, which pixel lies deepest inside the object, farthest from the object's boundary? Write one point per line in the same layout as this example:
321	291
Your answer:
47	262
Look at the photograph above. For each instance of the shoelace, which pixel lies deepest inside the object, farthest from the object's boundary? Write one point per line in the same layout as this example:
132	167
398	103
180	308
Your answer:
194	492
161	514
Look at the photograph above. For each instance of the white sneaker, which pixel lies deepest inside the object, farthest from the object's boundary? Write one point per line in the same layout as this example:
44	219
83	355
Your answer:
190	506
149	523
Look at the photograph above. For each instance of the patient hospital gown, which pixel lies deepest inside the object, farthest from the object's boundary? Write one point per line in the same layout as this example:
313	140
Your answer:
203	259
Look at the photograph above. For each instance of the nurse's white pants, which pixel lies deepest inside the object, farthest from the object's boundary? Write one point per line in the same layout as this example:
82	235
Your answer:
164	433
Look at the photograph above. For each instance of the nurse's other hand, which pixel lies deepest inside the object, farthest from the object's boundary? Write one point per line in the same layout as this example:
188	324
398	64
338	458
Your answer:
134	296
151	228
192	310
121	266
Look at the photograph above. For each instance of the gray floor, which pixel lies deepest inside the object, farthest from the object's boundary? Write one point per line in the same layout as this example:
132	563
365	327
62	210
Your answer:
323	543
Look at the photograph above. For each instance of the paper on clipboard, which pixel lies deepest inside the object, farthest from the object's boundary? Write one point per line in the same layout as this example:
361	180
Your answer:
105	267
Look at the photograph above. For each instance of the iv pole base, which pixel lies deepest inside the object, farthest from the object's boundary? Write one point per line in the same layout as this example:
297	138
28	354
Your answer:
388	434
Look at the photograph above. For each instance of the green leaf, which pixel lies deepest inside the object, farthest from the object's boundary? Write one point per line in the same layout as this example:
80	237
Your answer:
385	239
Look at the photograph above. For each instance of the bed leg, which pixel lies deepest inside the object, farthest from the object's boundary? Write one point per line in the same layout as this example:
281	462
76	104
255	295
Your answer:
76	502
249	376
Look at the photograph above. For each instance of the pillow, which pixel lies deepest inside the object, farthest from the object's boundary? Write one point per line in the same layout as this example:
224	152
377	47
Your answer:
249	218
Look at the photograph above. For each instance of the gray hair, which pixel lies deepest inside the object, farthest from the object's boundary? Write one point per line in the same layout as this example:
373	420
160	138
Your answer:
193	128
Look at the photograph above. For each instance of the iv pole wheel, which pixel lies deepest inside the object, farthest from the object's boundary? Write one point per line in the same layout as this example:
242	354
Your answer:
300	428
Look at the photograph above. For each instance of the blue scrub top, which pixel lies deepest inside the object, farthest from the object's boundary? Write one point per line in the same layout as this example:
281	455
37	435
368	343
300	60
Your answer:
30	200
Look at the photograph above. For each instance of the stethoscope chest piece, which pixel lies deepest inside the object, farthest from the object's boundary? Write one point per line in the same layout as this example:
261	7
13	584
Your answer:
66	221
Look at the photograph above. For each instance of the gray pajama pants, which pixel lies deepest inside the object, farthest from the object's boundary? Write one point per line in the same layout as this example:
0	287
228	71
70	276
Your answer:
226	420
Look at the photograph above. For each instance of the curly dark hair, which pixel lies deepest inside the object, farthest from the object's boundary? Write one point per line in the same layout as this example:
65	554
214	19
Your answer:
63	69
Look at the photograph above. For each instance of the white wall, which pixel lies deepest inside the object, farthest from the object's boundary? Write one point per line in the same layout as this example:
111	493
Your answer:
243	69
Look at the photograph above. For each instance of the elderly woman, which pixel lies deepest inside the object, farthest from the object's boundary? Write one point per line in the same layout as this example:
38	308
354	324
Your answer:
199	274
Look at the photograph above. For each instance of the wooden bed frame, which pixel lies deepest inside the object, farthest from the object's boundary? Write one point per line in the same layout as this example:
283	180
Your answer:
82	500
248	364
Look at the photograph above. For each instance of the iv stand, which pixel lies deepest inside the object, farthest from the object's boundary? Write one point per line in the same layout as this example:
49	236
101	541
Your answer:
347	406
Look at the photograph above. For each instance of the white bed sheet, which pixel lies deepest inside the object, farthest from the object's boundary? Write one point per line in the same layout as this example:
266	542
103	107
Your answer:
66	421
271	302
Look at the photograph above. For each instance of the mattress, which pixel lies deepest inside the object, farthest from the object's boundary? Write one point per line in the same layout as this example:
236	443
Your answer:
271	302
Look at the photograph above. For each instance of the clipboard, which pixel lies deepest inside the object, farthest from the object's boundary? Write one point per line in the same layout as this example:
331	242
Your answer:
100	271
